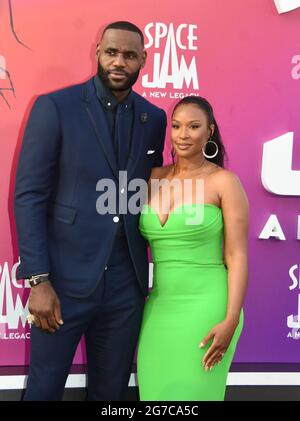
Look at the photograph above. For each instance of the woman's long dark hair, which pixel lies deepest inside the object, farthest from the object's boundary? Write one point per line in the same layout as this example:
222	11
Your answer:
204	105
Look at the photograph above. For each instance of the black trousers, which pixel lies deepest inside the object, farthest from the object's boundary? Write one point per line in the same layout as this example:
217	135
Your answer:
109	319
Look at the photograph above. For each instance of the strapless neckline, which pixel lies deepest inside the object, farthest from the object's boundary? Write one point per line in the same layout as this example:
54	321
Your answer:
178	207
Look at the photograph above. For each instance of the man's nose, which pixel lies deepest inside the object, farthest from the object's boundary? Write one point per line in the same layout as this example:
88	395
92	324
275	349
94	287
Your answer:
119	60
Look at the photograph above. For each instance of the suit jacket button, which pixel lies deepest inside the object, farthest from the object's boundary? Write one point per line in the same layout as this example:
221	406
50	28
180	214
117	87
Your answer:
116	219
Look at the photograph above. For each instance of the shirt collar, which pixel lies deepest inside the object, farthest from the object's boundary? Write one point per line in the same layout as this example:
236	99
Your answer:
108	100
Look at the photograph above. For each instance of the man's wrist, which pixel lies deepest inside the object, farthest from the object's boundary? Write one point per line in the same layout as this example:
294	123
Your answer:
38	279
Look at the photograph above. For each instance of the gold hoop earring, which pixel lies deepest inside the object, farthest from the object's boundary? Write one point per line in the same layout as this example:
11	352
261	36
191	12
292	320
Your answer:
210	142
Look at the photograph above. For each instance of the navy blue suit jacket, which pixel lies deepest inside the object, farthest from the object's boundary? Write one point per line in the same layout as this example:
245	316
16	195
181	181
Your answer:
66	150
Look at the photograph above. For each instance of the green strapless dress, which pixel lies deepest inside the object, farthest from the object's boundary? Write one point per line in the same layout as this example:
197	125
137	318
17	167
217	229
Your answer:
188	298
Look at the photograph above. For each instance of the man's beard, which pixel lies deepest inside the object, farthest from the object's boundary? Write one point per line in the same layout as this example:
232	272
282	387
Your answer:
131	79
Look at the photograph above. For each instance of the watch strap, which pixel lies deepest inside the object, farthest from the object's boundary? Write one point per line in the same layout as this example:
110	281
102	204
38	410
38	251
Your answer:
38	279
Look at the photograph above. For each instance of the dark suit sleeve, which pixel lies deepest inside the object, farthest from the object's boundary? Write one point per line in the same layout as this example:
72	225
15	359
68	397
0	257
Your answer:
161	141
35	179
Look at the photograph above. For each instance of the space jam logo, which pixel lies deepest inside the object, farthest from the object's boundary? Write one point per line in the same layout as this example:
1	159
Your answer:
174	62
6	85
293	320
284	6
2	67
12	310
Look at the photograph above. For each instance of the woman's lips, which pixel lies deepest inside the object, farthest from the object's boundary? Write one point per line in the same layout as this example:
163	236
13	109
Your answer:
183	146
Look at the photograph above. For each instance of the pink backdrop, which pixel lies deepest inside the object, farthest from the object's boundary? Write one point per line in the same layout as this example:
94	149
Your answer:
246	59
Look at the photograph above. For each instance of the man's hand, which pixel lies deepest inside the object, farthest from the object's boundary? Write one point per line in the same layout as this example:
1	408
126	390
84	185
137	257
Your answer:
45	306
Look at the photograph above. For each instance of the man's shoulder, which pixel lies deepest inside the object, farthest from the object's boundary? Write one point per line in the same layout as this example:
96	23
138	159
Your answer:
148	106
68	92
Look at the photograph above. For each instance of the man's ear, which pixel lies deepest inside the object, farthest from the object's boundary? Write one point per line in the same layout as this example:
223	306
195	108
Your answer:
97	49
144	58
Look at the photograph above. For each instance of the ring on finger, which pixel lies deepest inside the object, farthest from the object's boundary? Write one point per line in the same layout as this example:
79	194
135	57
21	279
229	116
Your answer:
30	318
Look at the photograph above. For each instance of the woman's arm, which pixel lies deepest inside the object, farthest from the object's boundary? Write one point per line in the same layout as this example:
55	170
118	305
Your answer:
234	206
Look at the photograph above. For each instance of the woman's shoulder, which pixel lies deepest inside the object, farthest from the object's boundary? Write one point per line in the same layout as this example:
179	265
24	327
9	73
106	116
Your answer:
160	172
225	177
230	187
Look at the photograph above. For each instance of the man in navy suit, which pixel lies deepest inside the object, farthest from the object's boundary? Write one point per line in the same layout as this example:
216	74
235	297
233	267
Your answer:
88	271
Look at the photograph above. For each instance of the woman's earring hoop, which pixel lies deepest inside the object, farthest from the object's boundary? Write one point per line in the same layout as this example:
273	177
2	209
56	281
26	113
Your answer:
213	155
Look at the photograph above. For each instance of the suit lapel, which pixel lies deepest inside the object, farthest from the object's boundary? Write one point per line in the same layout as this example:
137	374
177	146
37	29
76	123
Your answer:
137	142
98	121
123	132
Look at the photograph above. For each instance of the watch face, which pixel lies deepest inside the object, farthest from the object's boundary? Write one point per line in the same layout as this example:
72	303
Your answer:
32	283
38	280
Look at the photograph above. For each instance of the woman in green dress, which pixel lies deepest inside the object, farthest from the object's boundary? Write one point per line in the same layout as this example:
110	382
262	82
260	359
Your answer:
196	222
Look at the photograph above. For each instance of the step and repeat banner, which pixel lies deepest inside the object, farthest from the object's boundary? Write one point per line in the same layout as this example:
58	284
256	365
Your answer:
244	57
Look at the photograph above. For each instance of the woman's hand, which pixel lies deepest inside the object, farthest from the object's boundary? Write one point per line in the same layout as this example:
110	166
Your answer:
221	334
